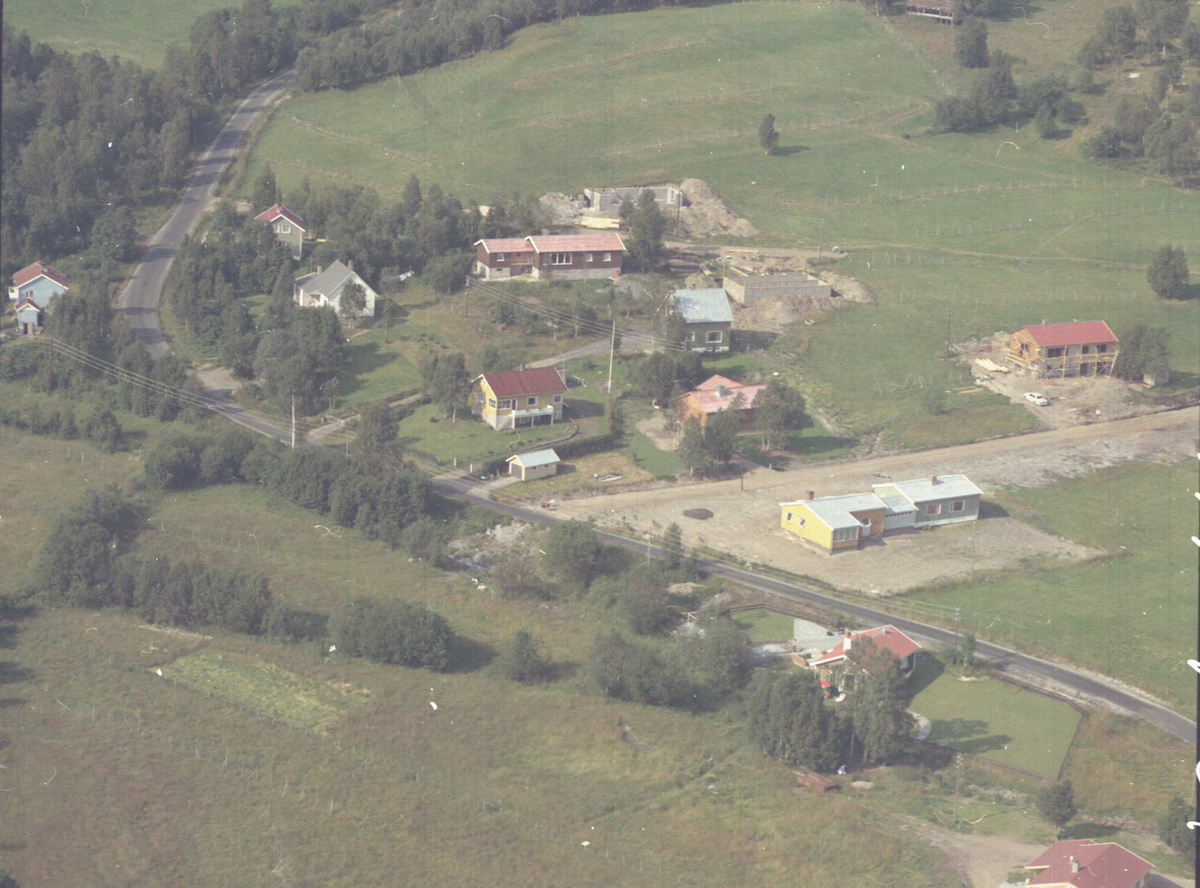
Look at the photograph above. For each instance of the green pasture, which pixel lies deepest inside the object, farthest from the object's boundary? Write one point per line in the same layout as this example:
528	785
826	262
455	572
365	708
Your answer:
1001	228
1130	615
994	719
764	625
137	30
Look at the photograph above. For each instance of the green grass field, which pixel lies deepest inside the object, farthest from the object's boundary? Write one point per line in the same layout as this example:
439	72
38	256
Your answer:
137	30
999	235
1131	615
996	720
763	625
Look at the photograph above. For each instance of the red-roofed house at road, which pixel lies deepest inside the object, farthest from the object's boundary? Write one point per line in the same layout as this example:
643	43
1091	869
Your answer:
1079	348
715	394
883	638
33	288
1086	864
287	227
519	398
570	256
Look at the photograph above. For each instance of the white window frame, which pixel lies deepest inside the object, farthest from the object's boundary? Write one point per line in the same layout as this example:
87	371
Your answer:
787	516
608	257
504	404
801	522
560	258
588	257
283	228
531	401
933	508
718	333
844	534
492	403
500	257
558	399
958	505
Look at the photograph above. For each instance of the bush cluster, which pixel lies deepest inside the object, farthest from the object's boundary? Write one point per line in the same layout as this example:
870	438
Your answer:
396	632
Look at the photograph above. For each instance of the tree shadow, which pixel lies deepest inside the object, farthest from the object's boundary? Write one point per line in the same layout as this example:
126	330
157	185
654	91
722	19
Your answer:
365	358
468	655
583	409
819	444
785	150
756	340
562	670
947	729
928	669
1192	292
1088	830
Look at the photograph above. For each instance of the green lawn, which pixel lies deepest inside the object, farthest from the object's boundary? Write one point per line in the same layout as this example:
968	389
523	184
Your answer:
137	30
994	719
468	438
999	238
1131	615
764	625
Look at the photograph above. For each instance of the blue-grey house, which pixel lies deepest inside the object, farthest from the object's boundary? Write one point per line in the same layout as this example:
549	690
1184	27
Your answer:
33	288
708	317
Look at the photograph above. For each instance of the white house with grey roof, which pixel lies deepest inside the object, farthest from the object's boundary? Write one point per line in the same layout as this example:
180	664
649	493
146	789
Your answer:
708	317
325	287
931	501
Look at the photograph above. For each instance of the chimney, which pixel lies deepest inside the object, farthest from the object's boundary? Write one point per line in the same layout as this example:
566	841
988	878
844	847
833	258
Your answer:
933	479
810	494
1074	864
846	641
320	269
350	264
545	232
720	390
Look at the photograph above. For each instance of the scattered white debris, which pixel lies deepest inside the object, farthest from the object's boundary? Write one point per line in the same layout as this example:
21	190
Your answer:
332	648
434	705
585	844
158	672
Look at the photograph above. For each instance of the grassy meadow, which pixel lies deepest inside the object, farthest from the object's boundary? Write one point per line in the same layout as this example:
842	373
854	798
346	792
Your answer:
999	228
1131	615
137	30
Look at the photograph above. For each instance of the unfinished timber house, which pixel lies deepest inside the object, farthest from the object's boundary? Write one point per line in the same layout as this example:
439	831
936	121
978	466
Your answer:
1052	351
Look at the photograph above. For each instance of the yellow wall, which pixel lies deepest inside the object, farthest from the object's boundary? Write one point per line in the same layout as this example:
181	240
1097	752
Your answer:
546	399
813	530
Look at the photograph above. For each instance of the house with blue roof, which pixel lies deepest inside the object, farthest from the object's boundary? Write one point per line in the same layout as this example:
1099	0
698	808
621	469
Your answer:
708	317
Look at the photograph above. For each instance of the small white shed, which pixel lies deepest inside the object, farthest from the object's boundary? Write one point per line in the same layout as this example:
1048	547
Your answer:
534	465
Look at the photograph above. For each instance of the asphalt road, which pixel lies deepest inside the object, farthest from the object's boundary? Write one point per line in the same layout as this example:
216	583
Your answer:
1022	667
139	300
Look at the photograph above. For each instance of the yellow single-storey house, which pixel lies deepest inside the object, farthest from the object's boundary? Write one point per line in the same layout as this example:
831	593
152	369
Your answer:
519	398
834	522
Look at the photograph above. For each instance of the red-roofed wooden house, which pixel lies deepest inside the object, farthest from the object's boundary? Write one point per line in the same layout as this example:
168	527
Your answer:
715	394
1079	348
287	227
519	398
33	288
571	256
1086	864
882	638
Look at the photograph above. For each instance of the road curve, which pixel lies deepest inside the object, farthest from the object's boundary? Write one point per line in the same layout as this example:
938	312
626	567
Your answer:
139	300
1022	667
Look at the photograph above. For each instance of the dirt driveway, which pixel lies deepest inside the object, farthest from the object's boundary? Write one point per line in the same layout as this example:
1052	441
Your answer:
746	522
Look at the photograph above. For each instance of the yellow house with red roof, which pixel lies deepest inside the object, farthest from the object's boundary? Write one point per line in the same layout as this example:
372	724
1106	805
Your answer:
519	398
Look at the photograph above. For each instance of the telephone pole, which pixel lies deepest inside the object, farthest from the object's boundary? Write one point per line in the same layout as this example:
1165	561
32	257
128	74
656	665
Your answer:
612	347
947	332
293	422
50	368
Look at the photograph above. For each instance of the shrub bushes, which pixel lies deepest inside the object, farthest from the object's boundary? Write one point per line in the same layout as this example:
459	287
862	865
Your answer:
395	632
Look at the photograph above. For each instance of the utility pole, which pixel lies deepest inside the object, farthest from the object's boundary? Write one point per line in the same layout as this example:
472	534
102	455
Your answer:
957	613
821	239
947	332
293	422
50	368
612	347
957	783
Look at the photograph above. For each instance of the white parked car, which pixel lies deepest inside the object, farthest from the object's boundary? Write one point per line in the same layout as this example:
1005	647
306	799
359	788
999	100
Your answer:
1038	399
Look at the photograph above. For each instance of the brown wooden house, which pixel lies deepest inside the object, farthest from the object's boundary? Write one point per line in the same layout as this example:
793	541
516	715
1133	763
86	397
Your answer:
503	257
715	394
571	256
1079	348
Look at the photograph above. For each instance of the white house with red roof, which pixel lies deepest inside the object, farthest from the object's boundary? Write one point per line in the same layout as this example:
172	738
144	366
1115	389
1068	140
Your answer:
33	288
287	227
519	398
1078	348
570	256
1084	863
715	394
882	638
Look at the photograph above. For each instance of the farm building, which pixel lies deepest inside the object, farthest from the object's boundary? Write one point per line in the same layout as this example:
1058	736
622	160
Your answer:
843	522
518	398
1079	348
287	227
708	317
939	10
749	288
1084	863
606	200
882	638
715	394
326	287
531	466
571	256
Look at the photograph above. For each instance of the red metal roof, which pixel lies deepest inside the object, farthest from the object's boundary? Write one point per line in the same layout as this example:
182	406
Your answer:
887	638
516	383
28	302
574	243
505	244
1100	864
1073	333
36	270
710	402
280	210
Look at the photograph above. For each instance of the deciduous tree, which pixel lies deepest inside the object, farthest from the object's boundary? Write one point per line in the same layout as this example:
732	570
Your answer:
1168	273
572	550
1056	803
768	137
970	44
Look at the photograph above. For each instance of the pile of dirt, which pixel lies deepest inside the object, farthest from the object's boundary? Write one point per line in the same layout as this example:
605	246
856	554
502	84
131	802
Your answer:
558	206
773	314
698	514
707	215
